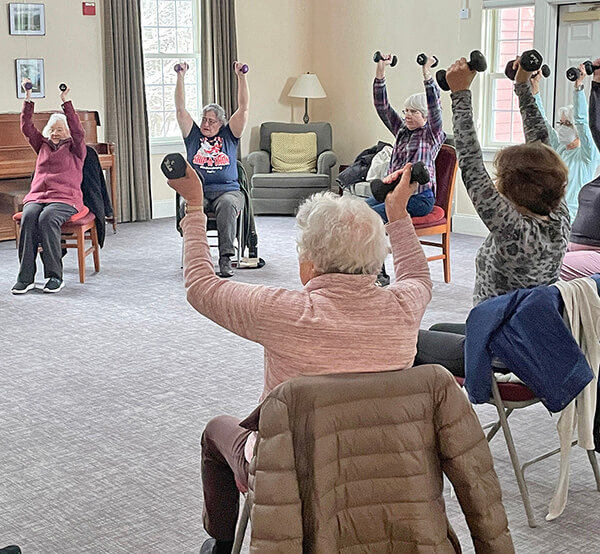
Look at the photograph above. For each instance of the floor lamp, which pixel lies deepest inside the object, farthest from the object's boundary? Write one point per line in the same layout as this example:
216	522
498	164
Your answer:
307	86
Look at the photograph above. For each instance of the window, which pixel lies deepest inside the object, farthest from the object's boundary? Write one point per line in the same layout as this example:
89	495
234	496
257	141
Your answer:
509	31
169	35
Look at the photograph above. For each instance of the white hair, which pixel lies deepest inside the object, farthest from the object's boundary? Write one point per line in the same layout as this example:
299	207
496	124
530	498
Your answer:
341	234
55	118
417	101
567	112
218	111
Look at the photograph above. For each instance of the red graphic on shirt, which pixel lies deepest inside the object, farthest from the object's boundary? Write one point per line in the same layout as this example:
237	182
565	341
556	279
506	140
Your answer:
210	155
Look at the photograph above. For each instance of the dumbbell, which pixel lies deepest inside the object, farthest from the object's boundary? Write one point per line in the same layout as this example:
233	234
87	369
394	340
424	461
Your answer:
573	73
173	166
27	86
377	57
178	67
62	87
511	72
418	173
422	60
244	68
477	62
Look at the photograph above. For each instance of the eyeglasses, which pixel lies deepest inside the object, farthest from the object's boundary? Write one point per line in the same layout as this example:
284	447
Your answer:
410	111
210	122
566	123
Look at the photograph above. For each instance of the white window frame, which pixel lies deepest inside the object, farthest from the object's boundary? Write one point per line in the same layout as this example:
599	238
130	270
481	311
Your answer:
489	30
160	145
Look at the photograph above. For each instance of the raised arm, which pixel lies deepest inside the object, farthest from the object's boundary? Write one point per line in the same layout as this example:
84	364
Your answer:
78	147
184	119
589	151
434	102
595	106
239	119
33	136
535	90
391	119
534	126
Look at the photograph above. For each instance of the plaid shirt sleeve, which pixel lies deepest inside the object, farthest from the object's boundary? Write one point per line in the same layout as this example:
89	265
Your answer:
391	119
434	110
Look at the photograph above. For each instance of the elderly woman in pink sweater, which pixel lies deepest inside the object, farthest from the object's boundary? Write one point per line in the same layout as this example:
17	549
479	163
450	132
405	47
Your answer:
55	193
339	322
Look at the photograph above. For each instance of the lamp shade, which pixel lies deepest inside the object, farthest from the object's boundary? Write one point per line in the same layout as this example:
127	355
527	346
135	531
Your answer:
307	86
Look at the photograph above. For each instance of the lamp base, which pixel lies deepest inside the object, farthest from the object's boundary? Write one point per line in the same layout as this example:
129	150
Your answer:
305	118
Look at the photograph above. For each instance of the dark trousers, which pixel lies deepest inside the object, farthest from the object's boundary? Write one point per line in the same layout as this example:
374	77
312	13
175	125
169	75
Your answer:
226	207
223	463
443	344
419	205
41	224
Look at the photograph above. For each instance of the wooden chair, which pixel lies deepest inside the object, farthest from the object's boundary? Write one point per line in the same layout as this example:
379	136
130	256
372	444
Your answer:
439	221
74	234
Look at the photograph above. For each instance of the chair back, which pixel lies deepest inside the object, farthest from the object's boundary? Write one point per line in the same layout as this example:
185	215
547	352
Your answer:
446	166
322	130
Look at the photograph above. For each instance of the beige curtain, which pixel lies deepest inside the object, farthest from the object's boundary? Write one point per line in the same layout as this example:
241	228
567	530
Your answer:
126	120
219	51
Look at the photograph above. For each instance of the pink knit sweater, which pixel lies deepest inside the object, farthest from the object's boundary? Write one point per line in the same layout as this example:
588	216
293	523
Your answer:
337	323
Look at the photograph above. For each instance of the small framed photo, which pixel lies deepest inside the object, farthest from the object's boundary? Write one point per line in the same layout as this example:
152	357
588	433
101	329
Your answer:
26	19
33	69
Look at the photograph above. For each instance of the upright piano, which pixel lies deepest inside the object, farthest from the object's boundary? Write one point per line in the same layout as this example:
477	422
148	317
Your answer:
17	163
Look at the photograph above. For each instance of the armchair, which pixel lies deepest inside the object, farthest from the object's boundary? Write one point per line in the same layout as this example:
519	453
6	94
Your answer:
282	193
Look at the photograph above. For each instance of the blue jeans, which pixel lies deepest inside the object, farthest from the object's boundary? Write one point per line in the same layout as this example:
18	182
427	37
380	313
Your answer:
418	205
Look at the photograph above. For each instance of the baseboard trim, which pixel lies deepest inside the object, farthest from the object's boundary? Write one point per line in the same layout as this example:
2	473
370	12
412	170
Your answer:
469	224
163	208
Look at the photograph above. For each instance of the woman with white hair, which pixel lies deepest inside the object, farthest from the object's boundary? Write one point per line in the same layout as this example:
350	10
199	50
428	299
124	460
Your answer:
419	137
339	322
55	193
572	139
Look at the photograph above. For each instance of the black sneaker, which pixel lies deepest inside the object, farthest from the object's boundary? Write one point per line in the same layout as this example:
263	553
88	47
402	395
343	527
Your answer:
209	546
13	549
54	284
225	267
22	288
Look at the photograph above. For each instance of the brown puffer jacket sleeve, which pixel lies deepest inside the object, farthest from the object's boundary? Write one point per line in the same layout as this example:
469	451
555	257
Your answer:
276	509
467	461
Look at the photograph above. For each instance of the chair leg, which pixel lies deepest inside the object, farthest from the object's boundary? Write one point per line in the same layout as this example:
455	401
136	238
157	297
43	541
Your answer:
446	251
241	528
80	234
594	463
512	451
96	247
240	230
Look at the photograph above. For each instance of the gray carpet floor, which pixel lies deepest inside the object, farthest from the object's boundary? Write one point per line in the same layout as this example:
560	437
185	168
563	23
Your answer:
106	388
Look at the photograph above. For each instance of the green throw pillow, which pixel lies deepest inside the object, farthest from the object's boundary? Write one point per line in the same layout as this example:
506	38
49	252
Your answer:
294	152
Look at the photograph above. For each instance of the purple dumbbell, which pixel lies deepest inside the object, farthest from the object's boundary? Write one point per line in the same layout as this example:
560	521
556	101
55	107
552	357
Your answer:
27	86
178	67
244	68
62	87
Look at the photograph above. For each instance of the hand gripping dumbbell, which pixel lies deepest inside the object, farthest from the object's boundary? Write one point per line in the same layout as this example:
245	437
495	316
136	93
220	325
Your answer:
243	69
377	57
173	166
418	173
180	67
27	86
62	87
422	59
477	62
573	73
531	61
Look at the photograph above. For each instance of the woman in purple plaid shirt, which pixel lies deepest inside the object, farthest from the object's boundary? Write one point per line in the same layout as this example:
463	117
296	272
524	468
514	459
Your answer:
419	137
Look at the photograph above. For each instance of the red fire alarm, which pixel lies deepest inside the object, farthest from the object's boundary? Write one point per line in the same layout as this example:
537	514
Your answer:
89	8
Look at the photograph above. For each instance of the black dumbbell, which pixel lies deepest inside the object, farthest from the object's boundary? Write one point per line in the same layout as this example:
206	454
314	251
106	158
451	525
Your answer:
27	86
173	166
573	73
62	87
422	60
477	62
418	173
377	57
511	72
590	67
244	68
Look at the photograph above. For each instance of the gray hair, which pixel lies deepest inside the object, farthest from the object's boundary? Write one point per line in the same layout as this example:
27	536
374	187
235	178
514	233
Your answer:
55	118
567	112
218	111
417	101
341	234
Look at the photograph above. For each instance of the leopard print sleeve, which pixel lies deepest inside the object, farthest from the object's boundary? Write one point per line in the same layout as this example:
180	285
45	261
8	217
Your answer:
534	125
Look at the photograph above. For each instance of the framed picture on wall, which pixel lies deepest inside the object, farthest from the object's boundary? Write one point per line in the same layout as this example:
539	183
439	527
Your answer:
26	19
33	69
